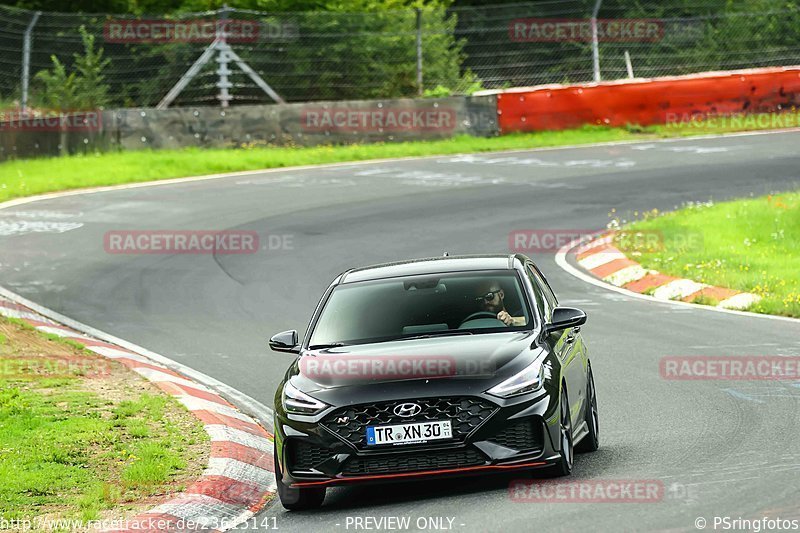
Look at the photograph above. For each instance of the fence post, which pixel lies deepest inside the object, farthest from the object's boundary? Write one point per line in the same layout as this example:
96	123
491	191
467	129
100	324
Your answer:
419	51
595	44
26	60
628	64
223	83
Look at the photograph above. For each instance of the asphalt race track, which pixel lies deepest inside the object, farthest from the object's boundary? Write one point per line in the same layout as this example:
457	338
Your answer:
720	448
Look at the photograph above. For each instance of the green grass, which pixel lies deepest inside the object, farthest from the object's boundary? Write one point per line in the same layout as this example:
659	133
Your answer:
68	451
752	245
36	176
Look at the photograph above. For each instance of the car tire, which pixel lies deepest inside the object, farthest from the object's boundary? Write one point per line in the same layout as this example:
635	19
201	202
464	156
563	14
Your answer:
591	442
563	467
294	499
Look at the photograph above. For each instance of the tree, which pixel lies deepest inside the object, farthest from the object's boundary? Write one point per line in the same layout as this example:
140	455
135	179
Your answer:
83	88
58	87
91	88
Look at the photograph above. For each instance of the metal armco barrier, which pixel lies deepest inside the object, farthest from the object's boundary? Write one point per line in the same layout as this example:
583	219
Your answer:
648	101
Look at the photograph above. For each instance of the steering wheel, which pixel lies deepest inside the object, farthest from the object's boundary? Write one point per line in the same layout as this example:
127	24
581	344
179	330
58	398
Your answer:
481	315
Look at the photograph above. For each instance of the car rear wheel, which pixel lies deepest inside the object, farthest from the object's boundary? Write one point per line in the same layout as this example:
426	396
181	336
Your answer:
591	441
295	499
563	466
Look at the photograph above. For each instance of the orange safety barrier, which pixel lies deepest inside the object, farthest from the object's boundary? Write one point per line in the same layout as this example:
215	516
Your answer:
648	101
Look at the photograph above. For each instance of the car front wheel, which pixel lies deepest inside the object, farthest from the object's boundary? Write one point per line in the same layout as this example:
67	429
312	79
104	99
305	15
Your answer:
563	466
296	499
591	441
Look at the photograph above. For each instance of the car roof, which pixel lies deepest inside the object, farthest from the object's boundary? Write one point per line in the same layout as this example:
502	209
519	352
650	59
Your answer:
432	265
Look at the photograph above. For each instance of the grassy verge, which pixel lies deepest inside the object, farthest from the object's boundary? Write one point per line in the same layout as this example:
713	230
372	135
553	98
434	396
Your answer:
752	245
83	438
36	176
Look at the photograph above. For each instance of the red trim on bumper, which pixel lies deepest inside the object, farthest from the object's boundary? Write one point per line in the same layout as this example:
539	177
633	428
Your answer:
414	474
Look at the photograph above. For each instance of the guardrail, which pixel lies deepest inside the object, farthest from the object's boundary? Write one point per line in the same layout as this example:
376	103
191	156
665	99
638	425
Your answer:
548	107
648	101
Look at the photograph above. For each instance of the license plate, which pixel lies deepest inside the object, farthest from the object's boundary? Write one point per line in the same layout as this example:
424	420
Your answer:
409	433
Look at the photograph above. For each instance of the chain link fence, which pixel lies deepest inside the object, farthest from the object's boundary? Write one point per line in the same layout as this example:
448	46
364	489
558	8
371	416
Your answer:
319	56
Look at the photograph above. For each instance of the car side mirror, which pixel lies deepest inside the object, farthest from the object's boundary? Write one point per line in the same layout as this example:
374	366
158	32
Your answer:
285	341
565	317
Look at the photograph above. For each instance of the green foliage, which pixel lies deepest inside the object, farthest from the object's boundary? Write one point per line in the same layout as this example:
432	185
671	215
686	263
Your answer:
751	245
440	91
82	88
71	453
58	88
91	87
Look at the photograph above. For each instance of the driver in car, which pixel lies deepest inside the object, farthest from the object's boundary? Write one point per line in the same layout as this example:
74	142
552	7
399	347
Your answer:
492	299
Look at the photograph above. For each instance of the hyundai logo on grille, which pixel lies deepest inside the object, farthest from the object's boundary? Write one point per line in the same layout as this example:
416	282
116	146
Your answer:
407	409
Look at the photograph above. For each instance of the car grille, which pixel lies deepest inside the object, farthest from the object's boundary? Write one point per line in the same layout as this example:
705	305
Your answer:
465	413
525	435
305	456
410	462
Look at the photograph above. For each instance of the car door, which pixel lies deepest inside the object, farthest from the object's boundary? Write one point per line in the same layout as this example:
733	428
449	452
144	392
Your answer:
568	347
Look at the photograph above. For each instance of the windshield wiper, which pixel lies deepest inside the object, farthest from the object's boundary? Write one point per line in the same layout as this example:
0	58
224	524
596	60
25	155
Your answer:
329	345
436	334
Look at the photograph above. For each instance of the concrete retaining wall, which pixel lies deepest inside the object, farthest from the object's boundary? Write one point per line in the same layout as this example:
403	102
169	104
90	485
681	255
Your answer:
284	125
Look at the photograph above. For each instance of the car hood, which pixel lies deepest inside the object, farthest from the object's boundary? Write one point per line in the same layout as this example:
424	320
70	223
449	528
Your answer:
467	364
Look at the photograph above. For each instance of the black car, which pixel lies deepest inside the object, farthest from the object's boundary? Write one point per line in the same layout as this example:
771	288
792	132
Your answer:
433	367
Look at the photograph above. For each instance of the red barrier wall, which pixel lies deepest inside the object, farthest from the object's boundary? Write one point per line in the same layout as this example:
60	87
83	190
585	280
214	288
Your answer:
648	101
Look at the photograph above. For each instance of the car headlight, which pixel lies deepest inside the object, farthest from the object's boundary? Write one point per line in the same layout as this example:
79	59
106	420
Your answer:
530	379
298	402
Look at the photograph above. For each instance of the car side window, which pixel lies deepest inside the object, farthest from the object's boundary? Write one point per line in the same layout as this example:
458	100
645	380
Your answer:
541	301
544	287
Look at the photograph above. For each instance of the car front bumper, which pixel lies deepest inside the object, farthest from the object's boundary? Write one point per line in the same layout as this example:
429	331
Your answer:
520	433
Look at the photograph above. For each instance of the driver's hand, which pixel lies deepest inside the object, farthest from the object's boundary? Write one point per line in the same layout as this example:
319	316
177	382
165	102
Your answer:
505	318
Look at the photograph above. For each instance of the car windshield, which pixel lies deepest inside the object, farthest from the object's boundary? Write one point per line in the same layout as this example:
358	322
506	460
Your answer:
431	305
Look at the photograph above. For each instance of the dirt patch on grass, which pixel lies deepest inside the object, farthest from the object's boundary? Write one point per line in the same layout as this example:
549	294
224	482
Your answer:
85	438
